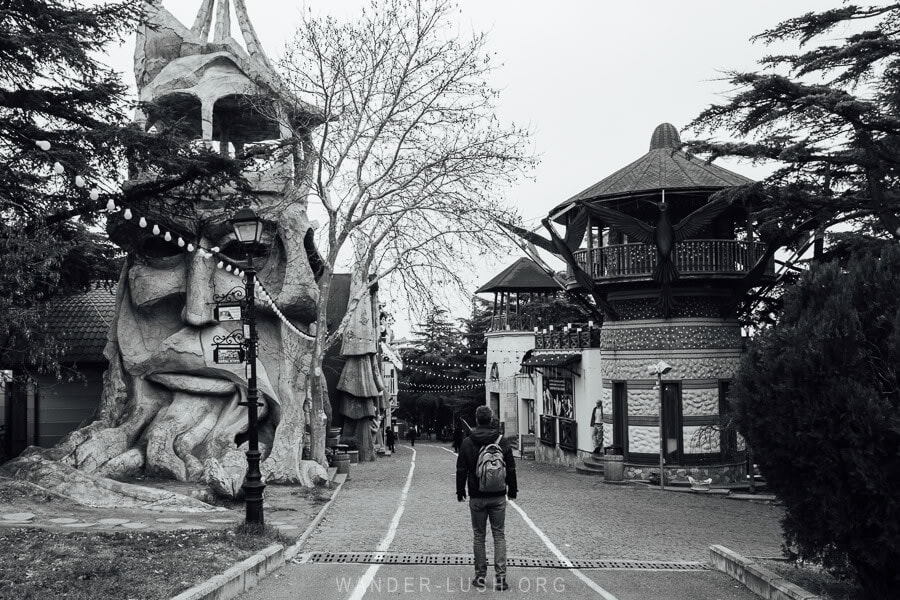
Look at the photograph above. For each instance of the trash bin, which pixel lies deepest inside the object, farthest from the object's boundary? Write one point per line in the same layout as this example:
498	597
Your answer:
613	464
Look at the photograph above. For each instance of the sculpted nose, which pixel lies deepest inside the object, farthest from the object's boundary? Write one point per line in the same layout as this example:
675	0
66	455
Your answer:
198	304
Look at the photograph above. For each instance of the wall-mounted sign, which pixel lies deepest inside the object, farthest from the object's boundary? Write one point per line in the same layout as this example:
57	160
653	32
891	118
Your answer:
558	397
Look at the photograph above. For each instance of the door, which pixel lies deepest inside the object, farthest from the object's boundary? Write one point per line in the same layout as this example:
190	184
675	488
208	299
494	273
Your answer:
620	415
529	415
16	417
672	425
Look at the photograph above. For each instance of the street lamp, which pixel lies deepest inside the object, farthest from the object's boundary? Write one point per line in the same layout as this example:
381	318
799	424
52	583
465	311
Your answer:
660	369
248	231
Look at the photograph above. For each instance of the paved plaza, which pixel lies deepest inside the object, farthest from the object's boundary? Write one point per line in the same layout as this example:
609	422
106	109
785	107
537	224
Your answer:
396	529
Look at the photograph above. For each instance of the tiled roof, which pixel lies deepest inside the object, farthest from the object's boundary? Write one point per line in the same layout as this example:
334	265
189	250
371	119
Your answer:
521	276
663	167
81	321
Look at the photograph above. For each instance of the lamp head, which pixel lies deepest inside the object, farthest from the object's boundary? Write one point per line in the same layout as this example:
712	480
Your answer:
247	226
660	368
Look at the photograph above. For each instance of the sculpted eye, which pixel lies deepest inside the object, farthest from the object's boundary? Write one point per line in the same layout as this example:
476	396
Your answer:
238	252
156	247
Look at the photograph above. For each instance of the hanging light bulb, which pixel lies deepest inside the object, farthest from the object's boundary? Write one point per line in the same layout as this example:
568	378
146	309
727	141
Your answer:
228	268
79	181
221	265
190	247
57	168
168	237
43	145
142	222
110	206
127	214
94	195
181	242
215	249
156	230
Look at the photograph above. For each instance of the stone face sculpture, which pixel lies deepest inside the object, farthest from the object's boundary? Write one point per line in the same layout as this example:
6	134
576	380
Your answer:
168	409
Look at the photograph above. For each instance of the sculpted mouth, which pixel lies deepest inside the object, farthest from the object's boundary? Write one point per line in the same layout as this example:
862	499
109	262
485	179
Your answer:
194	384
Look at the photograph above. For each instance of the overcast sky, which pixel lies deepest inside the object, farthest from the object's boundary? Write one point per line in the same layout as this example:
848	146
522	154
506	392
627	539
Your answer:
591	79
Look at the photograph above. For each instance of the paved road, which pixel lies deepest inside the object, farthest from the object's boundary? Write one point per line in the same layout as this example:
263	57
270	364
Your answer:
571	536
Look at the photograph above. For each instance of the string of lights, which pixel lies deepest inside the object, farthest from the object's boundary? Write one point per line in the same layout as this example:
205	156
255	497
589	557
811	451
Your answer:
443	376
424	387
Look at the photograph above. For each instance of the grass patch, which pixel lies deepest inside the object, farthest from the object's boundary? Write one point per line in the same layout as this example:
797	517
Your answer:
39	564
814	579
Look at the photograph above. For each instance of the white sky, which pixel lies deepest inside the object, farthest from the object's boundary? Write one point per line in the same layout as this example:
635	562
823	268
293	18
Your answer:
591	79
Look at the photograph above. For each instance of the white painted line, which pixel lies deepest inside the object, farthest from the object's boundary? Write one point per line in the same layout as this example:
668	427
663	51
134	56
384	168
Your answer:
366	580
562	558
448	450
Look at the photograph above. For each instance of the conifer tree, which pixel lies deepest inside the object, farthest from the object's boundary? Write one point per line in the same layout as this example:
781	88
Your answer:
828	117
66	146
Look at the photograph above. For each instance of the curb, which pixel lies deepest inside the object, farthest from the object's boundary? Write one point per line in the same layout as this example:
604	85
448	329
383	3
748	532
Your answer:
760	581
249	572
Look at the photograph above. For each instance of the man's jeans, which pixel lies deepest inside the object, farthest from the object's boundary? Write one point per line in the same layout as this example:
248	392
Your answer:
482	509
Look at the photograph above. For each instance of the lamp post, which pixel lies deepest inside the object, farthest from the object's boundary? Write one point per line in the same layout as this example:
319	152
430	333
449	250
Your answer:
248	231
660	369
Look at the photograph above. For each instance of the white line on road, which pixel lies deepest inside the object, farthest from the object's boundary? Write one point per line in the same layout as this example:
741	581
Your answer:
366	580
562	558
448	450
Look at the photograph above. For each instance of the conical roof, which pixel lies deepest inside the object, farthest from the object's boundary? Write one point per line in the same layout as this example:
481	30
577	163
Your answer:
521	276
664	167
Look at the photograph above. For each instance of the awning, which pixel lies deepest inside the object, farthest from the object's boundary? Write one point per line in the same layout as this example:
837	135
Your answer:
551	359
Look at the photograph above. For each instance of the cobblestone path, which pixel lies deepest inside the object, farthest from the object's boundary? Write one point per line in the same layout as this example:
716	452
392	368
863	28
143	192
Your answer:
584	518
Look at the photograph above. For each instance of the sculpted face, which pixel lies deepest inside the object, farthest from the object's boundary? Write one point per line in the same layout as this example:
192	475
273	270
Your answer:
186	416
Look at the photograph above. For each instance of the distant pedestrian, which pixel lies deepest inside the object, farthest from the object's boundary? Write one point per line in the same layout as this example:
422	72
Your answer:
457	438
412	435
389	438
597	425
486	466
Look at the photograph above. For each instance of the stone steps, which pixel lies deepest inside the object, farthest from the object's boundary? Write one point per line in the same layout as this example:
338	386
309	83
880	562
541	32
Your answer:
590	466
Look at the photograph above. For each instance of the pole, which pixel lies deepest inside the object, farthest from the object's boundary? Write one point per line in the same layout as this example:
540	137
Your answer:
253	485
662	477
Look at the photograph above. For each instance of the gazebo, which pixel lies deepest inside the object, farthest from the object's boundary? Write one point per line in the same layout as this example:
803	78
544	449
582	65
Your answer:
517	286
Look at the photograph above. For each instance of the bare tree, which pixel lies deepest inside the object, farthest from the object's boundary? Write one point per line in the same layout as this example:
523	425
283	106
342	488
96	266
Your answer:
411	159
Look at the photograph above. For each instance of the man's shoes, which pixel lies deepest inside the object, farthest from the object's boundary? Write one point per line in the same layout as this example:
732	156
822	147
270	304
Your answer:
479	582
500	584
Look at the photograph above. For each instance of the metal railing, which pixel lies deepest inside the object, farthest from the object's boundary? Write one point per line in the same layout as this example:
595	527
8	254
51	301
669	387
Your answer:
692	257
567	338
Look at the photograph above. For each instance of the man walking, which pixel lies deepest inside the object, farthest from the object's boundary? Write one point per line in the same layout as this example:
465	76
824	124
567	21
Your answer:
389	438
490	480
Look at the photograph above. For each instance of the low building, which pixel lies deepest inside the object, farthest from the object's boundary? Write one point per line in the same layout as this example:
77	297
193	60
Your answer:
41	410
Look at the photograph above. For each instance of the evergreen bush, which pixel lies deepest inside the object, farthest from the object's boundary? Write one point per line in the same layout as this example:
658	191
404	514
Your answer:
817	399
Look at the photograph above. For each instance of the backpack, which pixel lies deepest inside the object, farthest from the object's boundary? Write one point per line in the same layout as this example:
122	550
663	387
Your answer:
491	468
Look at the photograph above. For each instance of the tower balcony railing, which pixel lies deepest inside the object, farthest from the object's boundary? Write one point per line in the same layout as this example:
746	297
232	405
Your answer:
692	257
570	338
513	322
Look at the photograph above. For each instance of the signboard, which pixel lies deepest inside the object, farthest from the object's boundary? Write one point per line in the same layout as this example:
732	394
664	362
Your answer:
228	313
558	397
228	355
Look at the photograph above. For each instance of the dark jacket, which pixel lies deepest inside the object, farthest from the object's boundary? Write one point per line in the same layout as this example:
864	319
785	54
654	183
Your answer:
467	459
